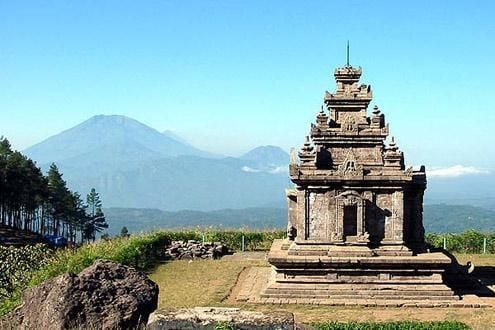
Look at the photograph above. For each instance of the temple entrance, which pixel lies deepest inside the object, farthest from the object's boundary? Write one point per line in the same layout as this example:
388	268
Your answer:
350	221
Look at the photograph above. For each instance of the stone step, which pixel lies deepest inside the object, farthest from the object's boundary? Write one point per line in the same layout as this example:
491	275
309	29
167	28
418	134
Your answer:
322	293
418	297
357	287
418	303
357	281
446	292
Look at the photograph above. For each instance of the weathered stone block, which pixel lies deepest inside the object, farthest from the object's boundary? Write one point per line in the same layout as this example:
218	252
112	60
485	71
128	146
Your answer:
210	318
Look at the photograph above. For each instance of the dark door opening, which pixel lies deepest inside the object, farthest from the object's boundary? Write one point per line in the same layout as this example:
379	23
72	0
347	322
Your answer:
350	220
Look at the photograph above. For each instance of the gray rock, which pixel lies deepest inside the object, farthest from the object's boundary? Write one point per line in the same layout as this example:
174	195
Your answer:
191	249
209	318
105	295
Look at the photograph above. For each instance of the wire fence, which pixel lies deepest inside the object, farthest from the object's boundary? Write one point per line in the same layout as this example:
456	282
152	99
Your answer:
470	241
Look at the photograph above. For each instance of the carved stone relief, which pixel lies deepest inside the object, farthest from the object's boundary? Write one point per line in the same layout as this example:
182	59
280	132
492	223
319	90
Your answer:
363	155
350	166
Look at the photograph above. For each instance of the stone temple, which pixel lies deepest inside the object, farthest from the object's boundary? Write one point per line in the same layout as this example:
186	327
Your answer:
355	227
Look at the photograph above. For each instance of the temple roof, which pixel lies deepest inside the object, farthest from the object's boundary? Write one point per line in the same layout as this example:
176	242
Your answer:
348	142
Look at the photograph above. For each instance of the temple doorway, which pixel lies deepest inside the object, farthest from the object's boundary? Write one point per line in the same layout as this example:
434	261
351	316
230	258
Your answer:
350	221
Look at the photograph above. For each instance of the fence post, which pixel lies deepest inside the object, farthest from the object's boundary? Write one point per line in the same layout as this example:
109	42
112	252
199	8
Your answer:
445	243
242	243
203	239
484	245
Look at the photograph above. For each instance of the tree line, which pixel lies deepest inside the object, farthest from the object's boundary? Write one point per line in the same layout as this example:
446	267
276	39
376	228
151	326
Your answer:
30	200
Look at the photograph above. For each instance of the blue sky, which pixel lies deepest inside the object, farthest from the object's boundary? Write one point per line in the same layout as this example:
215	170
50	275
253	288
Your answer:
232	75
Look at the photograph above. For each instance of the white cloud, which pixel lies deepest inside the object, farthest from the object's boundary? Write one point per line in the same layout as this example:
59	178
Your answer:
455	171
270	169
249	169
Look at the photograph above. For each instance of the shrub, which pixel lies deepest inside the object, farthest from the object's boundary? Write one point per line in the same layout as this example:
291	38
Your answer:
15	263
470	241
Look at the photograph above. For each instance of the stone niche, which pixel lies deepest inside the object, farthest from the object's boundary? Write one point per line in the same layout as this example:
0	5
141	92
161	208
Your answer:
355	224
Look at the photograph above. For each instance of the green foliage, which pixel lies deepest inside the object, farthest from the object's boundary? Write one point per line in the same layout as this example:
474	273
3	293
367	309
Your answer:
253	240
224	326
399	325
96	219
16	262
468	242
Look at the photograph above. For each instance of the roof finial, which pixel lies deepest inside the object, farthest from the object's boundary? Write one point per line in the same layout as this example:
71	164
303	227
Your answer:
348	53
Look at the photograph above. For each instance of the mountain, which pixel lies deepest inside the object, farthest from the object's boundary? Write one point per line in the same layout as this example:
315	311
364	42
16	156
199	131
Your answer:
438	218
270	159
133	165
171	134
103	138
186	182
102	150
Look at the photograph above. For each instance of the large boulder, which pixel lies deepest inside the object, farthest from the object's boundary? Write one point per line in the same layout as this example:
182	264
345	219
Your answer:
106	295
211	318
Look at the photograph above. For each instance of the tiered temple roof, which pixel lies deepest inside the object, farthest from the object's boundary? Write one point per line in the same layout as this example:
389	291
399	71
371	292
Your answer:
346	143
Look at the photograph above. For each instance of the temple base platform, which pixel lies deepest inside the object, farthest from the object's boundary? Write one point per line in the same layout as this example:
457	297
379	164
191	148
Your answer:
321	272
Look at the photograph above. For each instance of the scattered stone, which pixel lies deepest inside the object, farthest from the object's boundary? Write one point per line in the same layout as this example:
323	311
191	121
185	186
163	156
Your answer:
181	250
106	295
206	318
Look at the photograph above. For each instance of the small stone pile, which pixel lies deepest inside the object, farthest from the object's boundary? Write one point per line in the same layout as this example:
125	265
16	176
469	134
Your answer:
191	249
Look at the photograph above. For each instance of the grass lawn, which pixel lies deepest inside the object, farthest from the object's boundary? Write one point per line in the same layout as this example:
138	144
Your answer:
198	283
208	283
477	259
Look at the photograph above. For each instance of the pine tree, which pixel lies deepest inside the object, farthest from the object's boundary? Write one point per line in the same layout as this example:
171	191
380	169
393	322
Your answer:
97	221
31	201
59	199
124	232
78	216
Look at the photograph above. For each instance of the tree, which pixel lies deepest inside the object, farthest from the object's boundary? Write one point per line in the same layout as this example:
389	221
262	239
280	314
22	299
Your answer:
32	201
77	216
59	198
124	232
97	221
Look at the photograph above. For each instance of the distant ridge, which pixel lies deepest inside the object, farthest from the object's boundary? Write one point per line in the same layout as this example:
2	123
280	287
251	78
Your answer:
438	218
